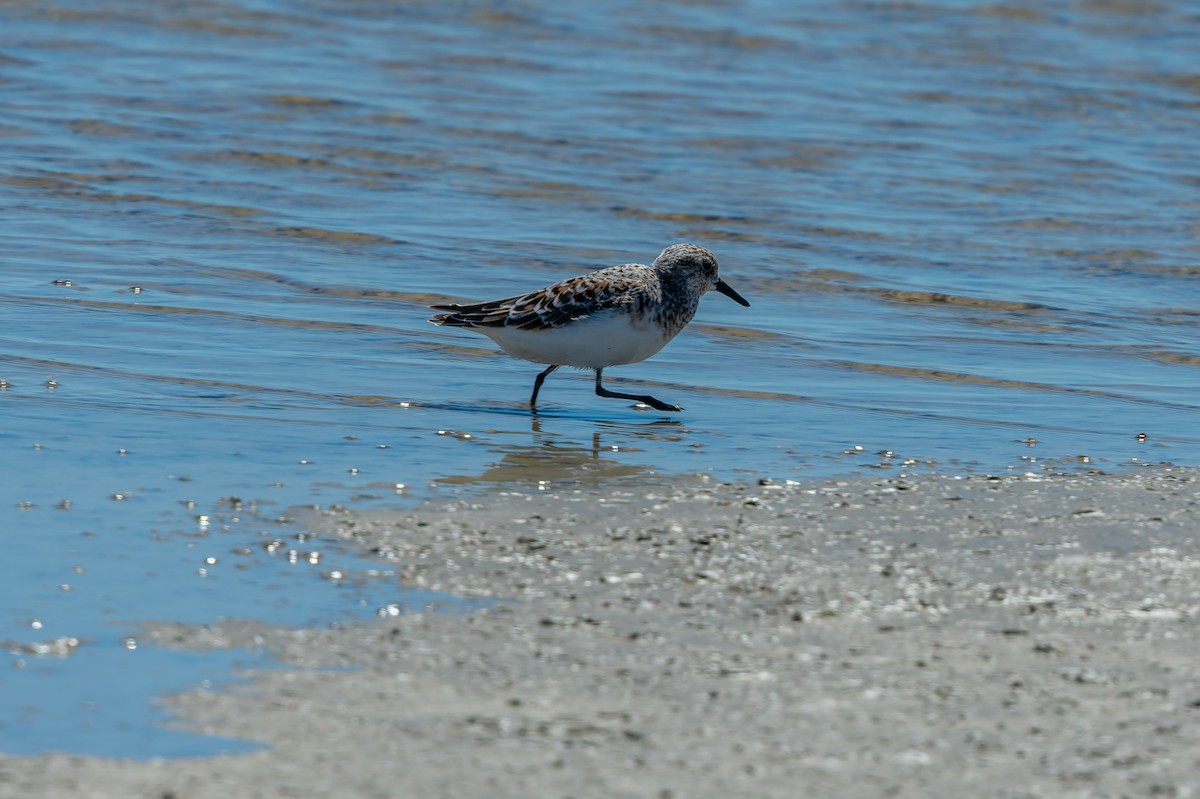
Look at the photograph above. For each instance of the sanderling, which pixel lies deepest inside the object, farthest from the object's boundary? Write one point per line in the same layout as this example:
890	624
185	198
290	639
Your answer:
622	314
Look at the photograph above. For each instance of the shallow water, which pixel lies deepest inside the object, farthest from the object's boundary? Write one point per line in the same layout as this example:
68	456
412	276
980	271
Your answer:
967	231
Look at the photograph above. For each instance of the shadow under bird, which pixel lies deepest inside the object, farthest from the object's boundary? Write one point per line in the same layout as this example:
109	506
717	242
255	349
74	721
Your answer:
622	314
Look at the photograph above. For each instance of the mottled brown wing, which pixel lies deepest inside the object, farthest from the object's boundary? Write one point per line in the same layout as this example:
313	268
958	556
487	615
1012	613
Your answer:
549	308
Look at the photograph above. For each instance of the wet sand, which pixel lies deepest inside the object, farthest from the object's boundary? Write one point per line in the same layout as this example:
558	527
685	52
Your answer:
917	637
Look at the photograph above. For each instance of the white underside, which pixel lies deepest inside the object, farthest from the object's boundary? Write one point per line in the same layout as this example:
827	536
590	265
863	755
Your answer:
591	343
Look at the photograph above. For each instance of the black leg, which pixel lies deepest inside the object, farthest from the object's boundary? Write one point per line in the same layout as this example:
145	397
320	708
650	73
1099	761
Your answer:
601	391
537	385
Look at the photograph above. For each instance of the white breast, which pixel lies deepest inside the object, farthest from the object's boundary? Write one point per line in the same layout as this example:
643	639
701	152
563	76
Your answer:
593	343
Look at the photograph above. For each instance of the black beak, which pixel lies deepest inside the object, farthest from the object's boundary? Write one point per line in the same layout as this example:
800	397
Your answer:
724	288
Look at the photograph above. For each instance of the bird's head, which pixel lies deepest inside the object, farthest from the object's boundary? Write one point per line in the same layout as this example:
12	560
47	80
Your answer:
697	267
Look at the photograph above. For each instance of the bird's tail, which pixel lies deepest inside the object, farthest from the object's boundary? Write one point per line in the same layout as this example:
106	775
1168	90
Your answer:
452	319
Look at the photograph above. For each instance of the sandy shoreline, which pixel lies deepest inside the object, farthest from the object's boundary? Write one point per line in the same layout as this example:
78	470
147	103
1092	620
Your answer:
891	637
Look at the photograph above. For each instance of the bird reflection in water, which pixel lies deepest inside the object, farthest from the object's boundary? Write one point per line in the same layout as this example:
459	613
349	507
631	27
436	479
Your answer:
554	458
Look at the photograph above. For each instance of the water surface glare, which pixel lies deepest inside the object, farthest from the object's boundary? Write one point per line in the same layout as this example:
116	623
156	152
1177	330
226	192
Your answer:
967	232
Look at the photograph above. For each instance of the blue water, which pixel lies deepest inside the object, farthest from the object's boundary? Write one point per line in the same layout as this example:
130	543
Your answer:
118	529
967	231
